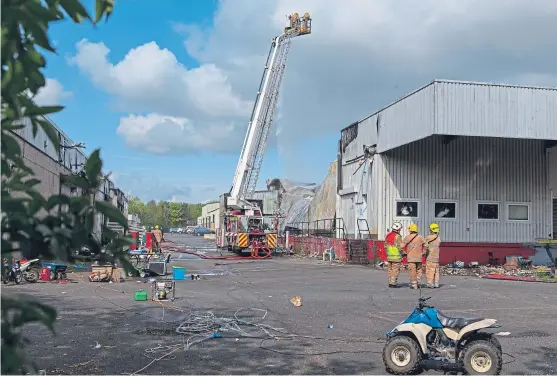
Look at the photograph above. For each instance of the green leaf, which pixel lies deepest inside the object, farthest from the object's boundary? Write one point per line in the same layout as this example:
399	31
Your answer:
10	147
93	167
112	213
103	7
75	180
51	132
39	35
44	230
35	110
75	10
32	182
56	200
30	311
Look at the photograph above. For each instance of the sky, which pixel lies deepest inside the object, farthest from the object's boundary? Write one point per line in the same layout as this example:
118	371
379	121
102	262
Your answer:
166	90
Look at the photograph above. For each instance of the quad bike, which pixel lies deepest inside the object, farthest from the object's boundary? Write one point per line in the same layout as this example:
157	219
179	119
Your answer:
427	338
31	270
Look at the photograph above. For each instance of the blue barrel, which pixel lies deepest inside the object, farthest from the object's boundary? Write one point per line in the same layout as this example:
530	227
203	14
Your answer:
179	273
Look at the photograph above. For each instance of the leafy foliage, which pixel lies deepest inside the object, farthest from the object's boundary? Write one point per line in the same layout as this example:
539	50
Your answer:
36	226
163	213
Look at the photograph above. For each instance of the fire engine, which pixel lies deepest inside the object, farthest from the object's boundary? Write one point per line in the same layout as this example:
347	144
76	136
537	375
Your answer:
242	223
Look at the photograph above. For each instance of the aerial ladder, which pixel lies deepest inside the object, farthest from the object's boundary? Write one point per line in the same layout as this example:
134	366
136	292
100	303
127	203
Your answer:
242	222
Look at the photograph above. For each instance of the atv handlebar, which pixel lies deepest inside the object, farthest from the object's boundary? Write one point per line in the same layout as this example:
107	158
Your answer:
422	303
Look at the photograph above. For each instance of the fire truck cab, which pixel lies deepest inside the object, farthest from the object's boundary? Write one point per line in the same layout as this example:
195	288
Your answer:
241	228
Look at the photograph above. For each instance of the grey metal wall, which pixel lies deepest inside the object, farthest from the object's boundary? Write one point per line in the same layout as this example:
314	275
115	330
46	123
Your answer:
410	119
269	198
72	159
44	168
491	110
552	169
464	109
468	170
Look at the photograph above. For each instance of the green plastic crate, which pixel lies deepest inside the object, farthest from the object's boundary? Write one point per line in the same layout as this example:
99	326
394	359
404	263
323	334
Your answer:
140	295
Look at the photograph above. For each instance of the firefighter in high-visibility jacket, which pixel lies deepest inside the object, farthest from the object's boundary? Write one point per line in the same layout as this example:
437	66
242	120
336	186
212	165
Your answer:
414	244
393	242
432	245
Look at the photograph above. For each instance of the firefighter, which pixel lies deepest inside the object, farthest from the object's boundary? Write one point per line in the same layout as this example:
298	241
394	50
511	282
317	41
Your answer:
394	256
432	244
157	238
413	244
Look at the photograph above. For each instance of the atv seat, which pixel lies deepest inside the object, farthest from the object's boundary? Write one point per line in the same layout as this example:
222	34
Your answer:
455	323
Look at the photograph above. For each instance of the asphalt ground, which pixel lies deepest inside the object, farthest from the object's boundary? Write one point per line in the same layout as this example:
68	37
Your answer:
345	312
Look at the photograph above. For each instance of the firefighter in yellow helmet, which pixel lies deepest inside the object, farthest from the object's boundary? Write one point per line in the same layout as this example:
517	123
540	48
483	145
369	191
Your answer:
432	245
413	244
394	254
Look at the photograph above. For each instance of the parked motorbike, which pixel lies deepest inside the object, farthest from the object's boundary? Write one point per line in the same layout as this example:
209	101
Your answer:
429	338
12	273
31	270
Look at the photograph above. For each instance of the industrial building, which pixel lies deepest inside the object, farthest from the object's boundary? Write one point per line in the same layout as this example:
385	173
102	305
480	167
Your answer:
48	164
479	159
210	212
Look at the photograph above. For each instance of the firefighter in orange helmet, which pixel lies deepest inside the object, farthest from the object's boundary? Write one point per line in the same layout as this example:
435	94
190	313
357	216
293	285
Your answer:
413	243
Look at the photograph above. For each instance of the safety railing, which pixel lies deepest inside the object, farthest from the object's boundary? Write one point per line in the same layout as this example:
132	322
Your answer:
328	228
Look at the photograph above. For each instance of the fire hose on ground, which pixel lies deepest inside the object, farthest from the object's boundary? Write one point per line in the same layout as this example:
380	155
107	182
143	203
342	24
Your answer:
257	251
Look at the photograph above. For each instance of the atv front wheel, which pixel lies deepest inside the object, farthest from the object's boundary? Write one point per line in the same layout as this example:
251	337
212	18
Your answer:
482	358
402	355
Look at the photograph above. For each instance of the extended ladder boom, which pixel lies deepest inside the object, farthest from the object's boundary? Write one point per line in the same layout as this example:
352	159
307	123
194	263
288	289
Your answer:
255	142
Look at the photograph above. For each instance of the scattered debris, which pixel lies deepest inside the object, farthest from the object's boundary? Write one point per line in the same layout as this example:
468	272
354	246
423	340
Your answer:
511	265
81	364
330	326
97	346
297	301
503	334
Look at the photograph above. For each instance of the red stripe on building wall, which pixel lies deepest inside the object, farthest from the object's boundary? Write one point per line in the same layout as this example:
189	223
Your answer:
468	252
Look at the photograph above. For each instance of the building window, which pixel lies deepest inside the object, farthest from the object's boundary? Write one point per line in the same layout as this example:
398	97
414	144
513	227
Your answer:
444	209
488	211
518	212
407	209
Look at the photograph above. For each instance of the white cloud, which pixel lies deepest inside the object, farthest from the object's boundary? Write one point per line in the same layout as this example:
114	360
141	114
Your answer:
160	134
360	57
51	94
201	110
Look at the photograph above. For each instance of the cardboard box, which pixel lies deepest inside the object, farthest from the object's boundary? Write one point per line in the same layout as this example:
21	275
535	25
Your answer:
117	275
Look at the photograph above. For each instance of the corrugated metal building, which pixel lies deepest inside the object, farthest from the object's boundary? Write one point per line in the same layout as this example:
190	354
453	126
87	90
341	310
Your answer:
479	159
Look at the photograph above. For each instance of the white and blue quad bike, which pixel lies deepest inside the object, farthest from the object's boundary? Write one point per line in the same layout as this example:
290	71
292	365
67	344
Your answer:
429	339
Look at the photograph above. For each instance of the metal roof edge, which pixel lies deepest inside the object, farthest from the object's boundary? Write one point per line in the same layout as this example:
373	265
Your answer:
477	83
391	104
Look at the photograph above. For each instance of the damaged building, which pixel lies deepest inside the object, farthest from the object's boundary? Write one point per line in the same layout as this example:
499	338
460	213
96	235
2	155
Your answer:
479	159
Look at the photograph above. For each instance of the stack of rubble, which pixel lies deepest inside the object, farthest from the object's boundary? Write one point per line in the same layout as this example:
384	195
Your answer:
480	270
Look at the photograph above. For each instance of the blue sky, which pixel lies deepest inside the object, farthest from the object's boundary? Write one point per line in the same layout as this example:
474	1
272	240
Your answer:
166	90
91	117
